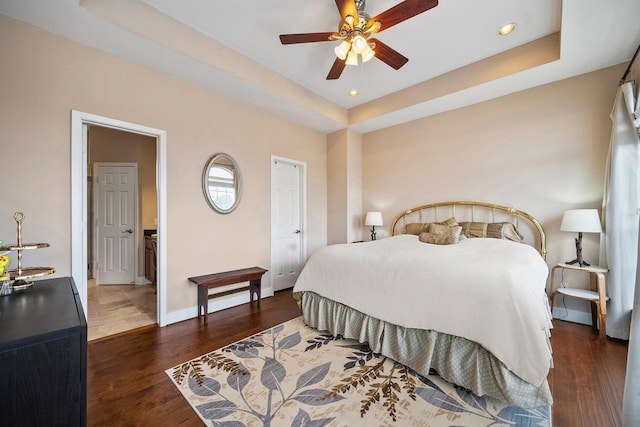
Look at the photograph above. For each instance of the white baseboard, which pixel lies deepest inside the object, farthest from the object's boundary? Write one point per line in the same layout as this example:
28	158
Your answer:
575	316
141	280
216	304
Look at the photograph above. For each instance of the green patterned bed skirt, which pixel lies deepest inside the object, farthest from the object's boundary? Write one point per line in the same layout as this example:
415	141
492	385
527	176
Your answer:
455	359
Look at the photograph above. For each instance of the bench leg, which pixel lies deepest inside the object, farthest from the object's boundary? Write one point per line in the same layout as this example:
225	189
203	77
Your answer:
255	287
203	301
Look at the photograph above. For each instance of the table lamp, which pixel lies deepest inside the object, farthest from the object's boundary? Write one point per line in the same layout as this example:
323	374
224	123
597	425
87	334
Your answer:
581	221
373	219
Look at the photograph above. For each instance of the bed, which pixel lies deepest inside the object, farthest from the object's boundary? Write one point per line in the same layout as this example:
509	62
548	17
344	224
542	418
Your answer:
472	308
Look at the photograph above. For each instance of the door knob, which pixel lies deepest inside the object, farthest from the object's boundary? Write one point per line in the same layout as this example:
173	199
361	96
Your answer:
297	231
128	231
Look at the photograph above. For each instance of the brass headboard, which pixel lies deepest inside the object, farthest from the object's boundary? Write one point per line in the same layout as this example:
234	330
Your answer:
488	213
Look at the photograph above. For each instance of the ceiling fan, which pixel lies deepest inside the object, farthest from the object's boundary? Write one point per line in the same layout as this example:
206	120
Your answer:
355	31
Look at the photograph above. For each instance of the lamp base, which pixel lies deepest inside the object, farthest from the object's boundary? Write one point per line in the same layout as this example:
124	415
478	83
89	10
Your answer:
373	232
580	262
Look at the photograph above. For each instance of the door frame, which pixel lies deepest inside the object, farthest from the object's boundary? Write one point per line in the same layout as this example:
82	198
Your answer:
79	172
136	218
302	166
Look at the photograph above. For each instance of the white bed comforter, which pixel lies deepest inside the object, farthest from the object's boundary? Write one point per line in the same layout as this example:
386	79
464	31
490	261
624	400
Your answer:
490	291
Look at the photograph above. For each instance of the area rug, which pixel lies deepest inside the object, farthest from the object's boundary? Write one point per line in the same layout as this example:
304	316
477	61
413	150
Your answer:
293	375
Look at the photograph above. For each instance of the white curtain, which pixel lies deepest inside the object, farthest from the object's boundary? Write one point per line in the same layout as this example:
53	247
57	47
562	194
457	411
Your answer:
621	205
631	397
620	249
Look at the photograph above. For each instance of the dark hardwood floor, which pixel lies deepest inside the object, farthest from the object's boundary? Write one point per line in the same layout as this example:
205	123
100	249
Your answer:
588	378
127	385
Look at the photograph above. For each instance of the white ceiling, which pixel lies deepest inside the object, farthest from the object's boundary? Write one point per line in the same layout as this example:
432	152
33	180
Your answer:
451	35
232	47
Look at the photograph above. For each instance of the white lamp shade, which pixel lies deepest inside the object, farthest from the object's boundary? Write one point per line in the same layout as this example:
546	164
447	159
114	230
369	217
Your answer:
373	218
352	58
367	54
342	49
358	44
581	221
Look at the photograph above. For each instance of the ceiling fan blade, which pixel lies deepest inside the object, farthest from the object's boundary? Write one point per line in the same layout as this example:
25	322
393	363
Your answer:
388	55
336	69
347	7
401	12
305	38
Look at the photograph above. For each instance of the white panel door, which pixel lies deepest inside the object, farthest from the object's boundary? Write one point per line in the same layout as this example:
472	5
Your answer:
286	222
115	219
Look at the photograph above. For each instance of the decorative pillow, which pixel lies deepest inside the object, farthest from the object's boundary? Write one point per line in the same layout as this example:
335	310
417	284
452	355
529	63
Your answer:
423	227
494	230
416	228
441	234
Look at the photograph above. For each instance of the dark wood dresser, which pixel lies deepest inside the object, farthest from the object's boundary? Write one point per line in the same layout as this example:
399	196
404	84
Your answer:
43	356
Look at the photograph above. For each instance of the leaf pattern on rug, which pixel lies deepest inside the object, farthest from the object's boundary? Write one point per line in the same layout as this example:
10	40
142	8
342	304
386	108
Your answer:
193	368
303	419
272	376
364	355
253	382
386	390
467	402
321	340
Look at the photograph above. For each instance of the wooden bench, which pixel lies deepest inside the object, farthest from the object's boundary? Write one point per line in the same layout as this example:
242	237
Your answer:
253	275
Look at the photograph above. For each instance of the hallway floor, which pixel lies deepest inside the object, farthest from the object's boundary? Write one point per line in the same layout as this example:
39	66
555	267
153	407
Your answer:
117	308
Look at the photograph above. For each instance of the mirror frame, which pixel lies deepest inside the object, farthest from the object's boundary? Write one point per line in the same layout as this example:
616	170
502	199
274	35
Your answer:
237	182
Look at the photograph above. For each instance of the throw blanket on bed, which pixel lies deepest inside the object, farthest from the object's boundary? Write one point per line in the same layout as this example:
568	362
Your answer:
490	291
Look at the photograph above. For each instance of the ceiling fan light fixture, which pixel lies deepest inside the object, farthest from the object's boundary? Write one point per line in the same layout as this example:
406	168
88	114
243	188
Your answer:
367	53
358	44
342	50
355	28
352	58
349	19
507	29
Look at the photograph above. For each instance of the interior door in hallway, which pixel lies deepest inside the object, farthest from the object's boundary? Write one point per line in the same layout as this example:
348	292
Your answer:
116	224
287	207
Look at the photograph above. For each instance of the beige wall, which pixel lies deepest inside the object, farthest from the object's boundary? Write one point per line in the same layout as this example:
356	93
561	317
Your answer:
354	186
44	77
344	186
336	187
542	150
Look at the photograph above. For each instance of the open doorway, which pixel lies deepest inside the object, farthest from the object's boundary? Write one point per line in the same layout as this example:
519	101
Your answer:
122	229
80	123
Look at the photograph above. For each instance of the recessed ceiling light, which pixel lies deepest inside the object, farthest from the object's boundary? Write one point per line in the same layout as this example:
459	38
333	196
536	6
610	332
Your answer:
507	29
353	92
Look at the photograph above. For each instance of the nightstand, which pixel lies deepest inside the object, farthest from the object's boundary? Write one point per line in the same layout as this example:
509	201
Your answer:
597	296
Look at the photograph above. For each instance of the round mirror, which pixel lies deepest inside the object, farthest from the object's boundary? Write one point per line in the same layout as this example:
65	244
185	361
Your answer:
222	183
